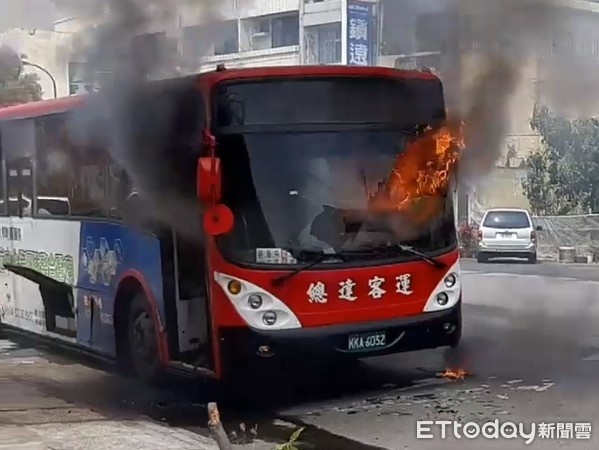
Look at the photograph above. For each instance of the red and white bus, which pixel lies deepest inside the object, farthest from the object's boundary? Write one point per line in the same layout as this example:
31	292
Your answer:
292	259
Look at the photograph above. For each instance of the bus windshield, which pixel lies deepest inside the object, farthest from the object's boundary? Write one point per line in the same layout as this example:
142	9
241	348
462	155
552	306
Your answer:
301	156
308	192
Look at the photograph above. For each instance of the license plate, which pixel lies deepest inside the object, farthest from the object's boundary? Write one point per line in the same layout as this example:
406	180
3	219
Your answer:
506	235
366	341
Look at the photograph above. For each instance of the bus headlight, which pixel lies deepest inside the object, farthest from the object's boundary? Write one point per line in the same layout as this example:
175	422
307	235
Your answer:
450	280
234	287
442	298
269	318
255	301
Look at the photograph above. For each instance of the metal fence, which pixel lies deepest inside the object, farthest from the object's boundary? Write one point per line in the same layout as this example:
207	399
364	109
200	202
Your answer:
580	232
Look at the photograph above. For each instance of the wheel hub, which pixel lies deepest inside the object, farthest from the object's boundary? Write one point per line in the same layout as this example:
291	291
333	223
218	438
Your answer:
143	341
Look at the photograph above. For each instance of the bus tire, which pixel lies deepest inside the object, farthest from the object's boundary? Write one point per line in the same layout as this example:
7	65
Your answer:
142	341
455	338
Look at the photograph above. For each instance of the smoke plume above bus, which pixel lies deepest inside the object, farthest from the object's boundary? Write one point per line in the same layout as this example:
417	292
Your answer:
493	52
497	43
479	86
138	129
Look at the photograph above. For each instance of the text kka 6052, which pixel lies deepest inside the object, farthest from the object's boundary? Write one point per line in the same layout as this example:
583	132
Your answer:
317	292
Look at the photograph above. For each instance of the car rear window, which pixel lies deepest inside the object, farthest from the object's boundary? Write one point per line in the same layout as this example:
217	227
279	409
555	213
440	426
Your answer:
506	219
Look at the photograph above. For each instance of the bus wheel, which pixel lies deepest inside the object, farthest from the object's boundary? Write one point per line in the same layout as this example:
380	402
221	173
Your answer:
141	337
455	337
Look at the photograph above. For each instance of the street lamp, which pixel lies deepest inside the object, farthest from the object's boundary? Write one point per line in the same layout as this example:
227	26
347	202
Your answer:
37	66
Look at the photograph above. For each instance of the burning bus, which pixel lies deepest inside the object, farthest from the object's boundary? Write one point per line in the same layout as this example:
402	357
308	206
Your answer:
328	224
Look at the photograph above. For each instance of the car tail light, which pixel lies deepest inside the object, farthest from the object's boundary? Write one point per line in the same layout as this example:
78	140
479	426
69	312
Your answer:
480	235
533	236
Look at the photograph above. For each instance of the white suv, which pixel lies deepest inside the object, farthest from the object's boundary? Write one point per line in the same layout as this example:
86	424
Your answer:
507	233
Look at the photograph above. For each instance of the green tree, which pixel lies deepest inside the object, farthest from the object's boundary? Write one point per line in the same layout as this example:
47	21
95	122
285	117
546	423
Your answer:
15	86
563	175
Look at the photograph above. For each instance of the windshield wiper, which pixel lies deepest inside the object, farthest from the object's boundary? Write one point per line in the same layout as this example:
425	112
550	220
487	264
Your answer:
320	257
409	250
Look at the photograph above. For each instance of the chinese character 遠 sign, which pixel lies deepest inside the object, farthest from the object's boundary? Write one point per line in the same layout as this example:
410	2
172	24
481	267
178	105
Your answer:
360	33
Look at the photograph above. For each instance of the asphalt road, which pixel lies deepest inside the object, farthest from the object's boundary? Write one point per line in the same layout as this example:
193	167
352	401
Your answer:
531	346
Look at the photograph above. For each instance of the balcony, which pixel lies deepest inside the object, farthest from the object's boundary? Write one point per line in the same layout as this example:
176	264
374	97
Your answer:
282	56
320	12
267	7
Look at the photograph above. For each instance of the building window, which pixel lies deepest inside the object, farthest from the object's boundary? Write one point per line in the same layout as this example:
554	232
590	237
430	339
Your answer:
195	44
200	41
285	31
270	32
226	40
78	78
323	44
149	51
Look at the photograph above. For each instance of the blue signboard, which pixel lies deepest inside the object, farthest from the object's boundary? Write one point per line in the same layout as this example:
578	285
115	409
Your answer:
361	33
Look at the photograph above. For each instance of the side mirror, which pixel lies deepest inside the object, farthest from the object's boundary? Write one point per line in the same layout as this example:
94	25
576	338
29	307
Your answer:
539	228
209	180
218	218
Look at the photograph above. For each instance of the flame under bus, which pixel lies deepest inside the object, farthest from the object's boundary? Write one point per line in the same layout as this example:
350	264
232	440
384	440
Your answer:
290	166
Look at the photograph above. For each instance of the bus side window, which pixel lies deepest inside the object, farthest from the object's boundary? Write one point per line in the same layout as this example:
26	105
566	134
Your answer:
118	187
54	170
90	162
18	147
70	178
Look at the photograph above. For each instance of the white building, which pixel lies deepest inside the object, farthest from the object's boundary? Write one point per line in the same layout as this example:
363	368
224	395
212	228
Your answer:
246	34
279	32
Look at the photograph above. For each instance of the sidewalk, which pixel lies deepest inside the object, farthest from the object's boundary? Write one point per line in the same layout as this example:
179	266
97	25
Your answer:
33	419
100	434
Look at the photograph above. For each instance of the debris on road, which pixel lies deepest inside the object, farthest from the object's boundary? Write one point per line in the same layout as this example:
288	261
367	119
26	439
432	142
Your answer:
450	374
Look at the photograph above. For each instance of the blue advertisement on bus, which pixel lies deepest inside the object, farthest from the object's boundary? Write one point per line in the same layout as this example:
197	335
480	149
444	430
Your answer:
362	33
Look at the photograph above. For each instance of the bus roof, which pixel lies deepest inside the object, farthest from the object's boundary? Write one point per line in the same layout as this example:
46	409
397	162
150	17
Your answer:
61	105
42	108
332	70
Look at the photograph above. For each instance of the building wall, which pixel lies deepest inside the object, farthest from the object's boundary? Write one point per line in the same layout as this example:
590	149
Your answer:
48	49
234	32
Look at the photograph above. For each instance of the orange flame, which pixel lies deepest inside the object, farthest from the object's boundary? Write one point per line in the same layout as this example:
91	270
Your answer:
421	174
457	374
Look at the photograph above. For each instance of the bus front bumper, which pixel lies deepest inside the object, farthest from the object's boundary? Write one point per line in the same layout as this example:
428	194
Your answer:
424	331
